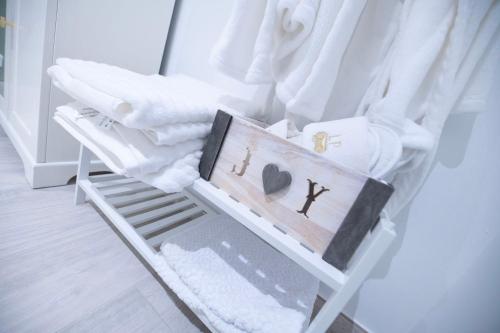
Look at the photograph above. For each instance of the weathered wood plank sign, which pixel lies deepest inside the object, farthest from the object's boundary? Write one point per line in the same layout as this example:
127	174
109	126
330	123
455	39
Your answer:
327	207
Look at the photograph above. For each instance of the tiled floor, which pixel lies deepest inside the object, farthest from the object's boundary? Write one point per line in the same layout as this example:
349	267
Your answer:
63	269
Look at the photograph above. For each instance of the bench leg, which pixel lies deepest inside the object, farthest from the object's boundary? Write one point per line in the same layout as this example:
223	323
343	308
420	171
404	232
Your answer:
328	313
382	237
82	174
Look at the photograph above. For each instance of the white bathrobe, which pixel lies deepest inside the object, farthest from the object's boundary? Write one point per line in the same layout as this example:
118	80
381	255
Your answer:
405	67
438	47
305	81
299	44
260	33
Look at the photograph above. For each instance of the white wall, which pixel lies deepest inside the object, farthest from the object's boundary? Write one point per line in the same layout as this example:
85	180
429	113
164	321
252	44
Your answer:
197	26
442	274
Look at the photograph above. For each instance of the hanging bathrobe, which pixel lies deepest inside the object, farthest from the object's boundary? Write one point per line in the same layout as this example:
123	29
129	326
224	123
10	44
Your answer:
404	66
298	44
305	79
440	49
304	47
260	32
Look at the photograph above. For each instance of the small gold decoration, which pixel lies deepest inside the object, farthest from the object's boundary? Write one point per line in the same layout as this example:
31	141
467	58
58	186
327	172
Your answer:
322	140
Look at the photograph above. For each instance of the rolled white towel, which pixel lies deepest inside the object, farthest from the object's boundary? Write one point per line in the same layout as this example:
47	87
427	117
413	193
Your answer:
344	141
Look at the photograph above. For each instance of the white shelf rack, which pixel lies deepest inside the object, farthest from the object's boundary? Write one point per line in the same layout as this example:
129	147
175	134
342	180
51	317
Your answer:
146	216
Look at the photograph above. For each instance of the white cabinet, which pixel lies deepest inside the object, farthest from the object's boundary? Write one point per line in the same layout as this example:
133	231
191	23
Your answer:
126	33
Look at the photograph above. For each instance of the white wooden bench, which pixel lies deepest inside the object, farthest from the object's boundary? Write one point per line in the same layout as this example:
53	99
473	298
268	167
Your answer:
145	216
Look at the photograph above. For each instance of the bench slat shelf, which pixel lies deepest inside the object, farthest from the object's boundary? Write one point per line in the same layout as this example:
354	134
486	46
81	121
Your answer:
145	248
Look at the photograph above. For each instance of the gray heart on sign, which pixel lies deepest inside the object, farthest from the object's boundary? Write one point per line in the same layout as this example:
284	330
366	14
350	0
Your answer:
274	180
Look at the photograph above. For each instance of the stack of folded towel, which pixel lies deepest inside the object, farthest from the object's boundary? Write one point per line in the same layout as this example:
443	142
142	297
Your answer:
148	127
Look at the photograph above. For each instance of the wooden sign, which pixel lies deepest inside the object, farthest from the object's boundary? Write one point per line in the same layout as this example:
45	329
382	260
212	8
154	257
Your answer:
321	201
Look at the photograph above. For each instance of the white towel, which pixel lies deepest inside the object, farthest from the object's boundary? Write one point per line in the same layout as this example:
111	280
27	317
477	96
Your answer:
344	141
217	267
437	48
174	133
135	100
260	33
210	277
368	148
128	152
176	176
